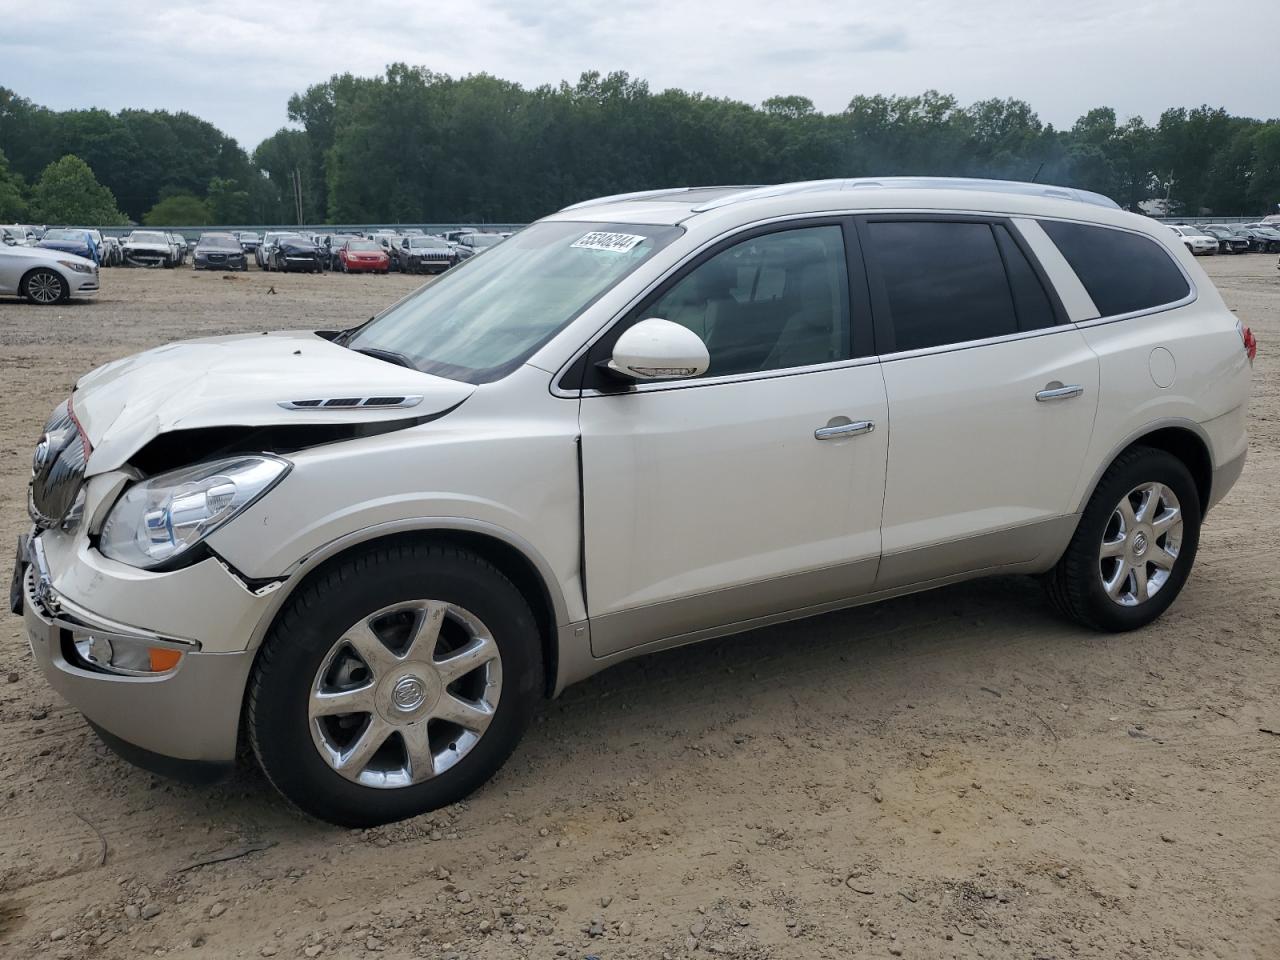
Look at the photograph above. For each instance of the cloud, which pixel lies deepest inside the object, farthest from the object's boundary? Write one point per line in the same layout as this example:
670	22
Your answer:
237	65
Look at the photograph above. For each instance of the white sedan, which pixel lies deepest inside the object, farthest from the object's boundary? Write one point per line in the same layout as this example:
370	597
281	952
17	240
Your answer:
46	277
1200	244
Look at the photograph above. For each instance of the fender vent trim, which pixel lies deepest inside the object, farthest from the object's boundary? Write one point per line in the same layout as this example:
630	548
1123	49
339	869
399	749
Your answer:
380	403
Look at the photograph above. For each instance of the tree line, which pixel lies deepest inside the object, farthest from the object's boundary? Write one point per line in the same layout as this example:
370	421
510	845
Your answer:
414	145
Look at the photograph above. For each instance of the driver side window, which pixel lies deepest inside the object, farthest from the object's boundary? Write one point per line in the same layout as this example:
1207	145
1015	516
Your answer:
768	303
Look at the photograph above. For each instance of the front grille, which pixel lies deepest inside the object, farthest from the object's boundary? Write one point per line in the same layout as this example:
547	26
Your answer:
57	469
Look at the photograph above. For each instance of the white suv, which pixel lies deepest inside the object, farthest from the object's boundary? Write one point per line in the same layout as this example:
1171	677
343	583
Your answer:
640	422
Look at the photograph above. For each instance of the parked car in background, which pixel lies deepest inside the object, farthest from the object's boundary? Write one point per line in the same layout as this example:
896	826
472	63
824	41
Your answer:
1228	240
363	256
323	249
1200	244
367	554
269	239
46	276
333	242
112	256
470	244
71	240
219	251
149	248
389	240
17	235
1265	235
179	246
422	254
294	253
249	240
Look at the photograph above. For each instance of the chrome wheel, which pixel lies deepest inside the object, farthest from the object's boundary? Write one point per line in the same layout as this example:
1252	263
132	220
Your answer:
1140	544
405	694
45	287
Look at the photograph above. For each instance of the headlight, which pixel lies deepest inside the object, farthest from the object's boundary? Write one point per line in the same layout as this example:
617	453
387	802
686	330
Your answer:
160	518
77	267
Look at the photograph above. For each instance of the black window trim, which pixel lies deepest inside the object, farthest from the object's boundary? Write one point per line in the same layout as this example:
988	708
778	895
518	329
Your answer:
1192	296
579	377
882	320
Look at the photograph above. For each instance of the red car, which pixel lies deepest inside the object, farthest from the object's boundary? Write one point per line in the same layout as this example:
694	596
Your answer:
363	256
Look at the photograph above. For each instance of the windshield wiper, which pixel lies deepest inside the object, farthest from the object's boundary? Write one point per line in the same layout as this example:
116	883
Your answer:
390	356
344	336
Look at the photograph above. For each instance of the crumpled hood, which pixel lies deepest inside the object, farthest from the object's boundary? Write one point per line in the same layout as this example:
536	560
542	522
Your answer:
242	381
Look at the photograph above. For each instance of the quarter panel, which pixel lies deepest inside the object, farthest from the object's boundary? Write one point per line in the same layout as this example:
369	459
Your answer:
1210	383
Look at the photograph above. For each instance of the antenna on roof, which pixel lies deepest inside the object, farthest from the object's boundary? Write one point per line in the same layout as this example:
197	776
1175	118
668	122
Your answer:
1037	173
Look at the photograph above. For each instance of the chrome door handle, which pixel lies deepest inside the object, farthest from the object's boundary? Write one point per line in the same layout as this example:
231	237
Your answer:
841	430
1059	393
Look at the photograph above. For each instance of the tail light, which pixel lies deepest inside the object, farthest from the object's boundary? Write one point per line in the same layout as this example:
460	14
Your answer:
1248	339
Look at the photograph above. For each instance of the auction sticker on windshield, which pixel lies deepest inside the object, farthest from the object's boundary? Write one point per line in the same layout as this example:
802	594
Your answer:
612	242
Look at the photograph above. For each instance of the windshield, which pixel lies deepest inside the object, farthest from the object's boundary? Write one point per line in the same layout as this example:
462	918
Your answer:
74	235
483	319
431	242
363	246
214	241
479	240
148	238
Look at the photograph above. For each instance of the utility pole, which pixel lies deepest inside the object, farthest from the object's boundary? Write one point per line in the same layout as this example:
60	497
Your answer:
297	192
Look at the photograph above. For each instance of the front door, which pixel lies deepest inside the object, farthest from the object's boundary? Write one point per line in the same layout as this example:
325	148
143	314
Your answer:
755	489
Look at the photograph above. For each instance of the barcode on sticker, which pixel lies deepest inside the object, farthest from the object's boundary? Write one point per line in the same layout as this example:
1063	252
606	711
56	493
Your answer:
612	242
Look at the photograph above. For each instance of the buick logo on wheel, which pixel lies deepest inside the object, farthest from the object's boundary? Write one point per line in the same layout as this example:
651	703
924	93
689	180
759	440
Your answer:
43	456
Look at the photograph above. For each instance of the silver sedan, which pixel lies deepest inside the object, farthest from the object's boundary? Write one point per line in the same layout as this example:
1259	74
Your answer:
46	277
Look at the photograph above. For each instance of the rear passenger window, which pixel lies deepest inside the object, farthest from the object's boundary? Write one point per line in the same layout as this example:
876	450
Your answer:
1123	272
942	281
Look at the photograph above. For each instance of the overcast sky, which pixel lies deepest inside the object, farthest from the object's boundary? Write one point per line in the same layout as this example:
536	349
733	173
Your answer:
236	64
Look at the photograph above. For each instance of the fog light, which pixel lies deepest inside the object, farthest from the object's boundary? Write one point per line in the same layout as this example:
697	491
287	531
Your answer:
124	655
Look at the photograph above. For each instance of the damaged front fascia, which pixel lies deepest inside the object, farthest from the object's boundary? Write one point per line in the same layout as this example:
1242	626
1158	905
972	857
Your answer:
180	448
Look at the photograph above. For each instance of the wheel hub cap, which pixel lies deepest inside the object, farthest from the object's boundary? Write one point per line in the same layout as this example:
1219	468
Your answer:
1140	544
405	694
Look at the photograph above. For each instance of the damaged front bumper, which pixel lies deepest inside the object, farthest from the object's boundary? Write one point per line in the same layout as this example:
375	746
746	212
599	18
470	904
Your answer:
180	720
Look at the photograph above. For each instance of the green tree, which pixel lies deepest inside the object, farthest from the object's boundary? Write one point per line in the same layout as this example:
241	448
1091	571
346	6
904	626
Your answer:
228	202
68	192
179	210
13	204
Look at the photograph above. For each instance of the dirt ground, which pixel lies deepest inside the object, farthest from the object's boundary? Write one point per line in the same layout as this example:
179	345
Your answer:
958	774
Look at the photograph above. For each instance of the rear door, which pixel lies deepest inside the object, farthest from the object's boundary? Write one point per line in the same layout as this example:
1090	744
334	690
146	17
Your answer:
991	392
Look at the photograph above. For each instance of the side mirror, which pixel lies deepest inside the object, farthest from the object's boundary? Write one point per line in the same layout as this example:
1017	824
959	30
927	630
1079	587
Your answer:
657	349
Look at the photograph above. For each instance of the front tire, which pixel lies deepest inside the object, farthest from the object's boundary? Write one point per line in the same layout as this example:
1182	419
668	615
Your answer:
1134	546
396	681
44	288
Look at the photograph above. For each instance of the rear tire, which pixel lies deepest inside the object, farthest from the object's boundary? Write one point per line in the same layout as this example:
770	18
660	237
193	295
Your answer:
325	761
1134	546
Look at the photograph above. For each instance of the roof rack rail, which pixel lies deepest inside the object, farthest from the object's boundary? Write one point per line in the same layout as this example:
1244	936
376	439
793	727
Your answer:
618	197
912	183
673	192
